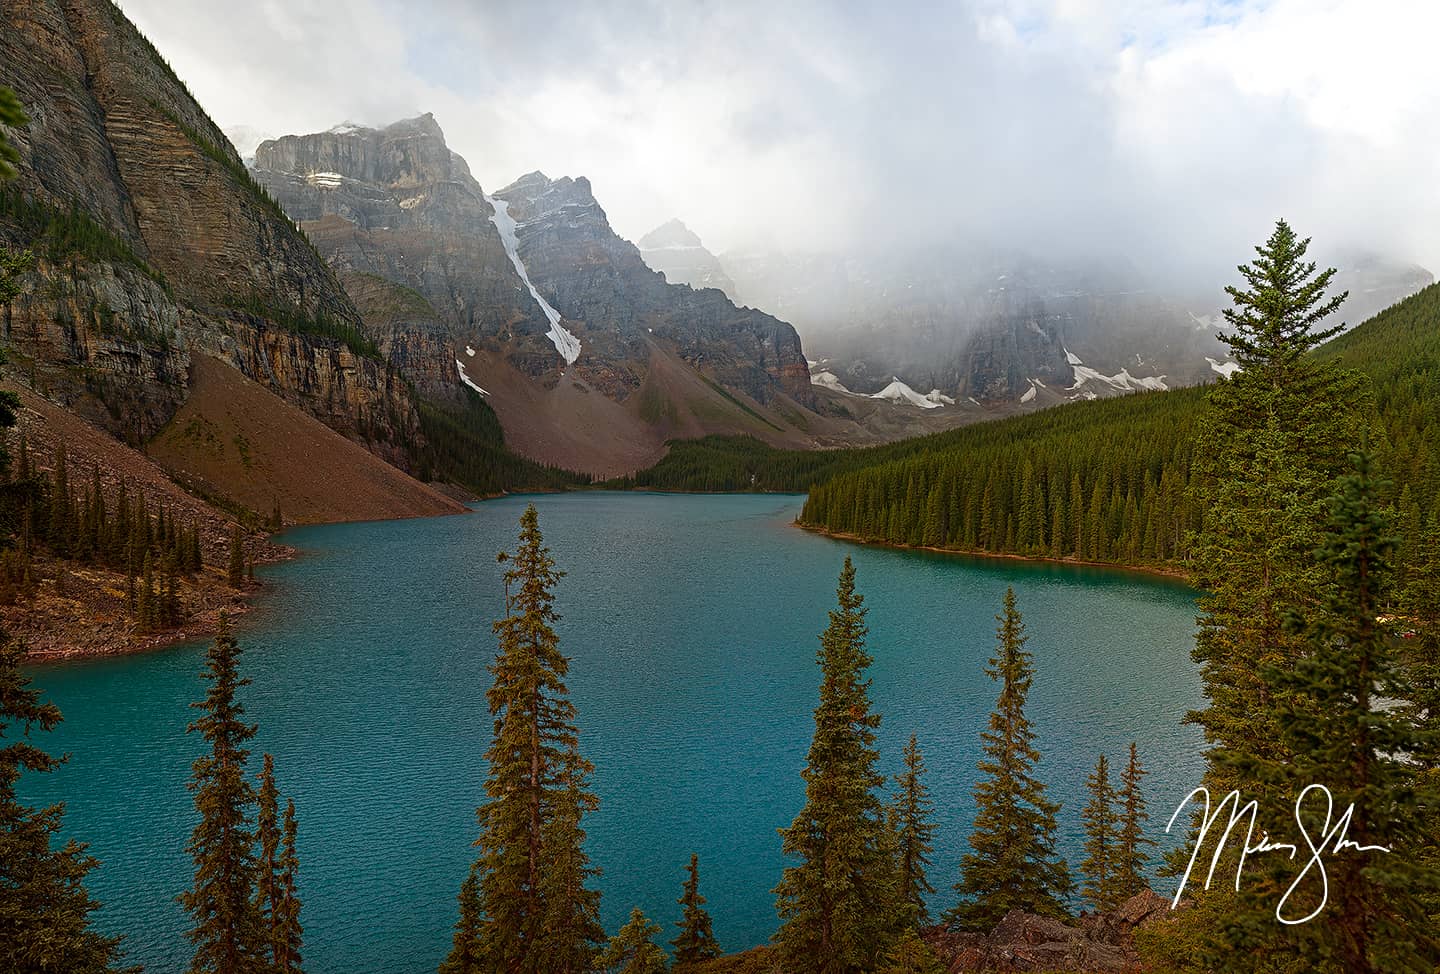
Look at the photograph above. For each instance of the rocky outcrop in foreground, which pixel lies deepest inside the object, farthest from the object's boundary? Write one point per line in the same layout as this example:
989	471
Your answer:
1100	942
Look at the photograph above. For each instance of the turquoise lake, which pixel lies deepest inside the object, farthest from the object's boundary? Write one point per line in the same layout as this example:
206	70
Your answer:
691	622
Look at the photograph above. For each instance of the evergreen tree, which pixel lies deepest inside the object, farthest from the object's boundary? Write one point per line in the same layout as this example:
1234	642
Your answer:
838	905
1329	707
146	612
633	950
1131	841
911	955
288	936
1013	865
228	932
1277	434
1279	318
696	941
536	913
464	957
571	930
267	868
44	906
910	811
1101	866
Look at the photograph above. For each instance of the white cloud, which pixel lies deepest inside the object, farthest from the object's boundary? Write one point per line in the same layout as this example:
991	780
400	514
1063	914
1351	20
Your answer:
1154	128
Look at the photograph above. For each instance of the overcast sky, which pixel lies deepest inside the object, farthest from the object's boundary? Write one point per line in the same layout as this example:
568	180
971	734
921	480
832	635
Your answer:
1171	131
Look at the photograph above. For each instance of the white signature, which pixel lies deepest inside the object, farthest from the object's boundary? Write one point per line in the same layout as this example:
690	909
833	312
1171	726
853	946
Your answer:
1333	839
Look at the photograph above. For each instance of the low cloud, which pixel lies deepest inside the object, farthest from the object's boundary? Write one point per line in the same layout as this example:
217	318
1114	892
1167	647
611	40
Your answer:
1171	133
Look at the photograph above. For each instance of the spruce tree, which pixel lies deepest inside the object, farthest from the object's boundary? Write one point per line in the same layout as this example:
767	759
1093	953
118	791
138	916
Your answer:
464	957
838	904
146	611
1330	708
1100	867
1275	436
910	811
570	923
228	932
44	906
633	949
268	876
910	955
288	935
696	941
1131	840
1013	865
536	913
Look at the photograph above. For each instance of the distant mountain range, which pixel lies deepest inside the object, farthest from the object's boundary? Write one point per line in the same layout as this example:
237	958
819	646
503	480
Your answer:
998	328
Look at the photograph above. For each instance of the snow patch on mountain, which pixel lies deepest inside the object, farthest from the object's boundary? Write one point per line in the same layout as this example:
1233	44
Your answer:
460	367
565	343
1227	369
898	391
1071	357
1121	381
935	395
829	380
1029	394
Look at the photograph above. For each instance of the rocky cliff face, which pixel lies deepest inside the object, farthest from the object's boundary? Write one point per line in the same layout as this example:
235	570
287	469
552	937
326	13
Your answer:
158	241
397	204
675	250
601	282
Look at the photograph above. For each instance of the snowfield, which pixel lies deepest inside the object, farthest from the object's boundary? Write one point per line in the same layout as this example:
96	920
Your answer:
565	343
829	380
1122	380
898	391
1227	369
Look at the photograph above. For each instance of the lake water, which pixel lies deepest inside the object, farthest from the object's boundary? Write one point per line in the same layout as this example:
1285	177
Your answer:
692	624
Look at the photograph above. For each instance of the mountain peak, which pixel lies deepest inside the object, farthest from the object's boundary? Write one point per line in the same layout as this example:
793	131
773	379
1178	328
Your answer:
670	235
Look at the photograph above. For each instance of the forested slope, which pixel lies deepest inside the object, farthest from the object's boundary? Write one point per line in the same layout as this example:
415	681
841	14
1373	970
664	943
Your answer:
1100	481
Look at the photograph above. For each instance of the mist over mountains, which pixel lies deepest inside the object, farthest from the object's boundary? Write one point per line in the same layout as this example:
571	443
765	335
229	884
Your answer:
995	324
